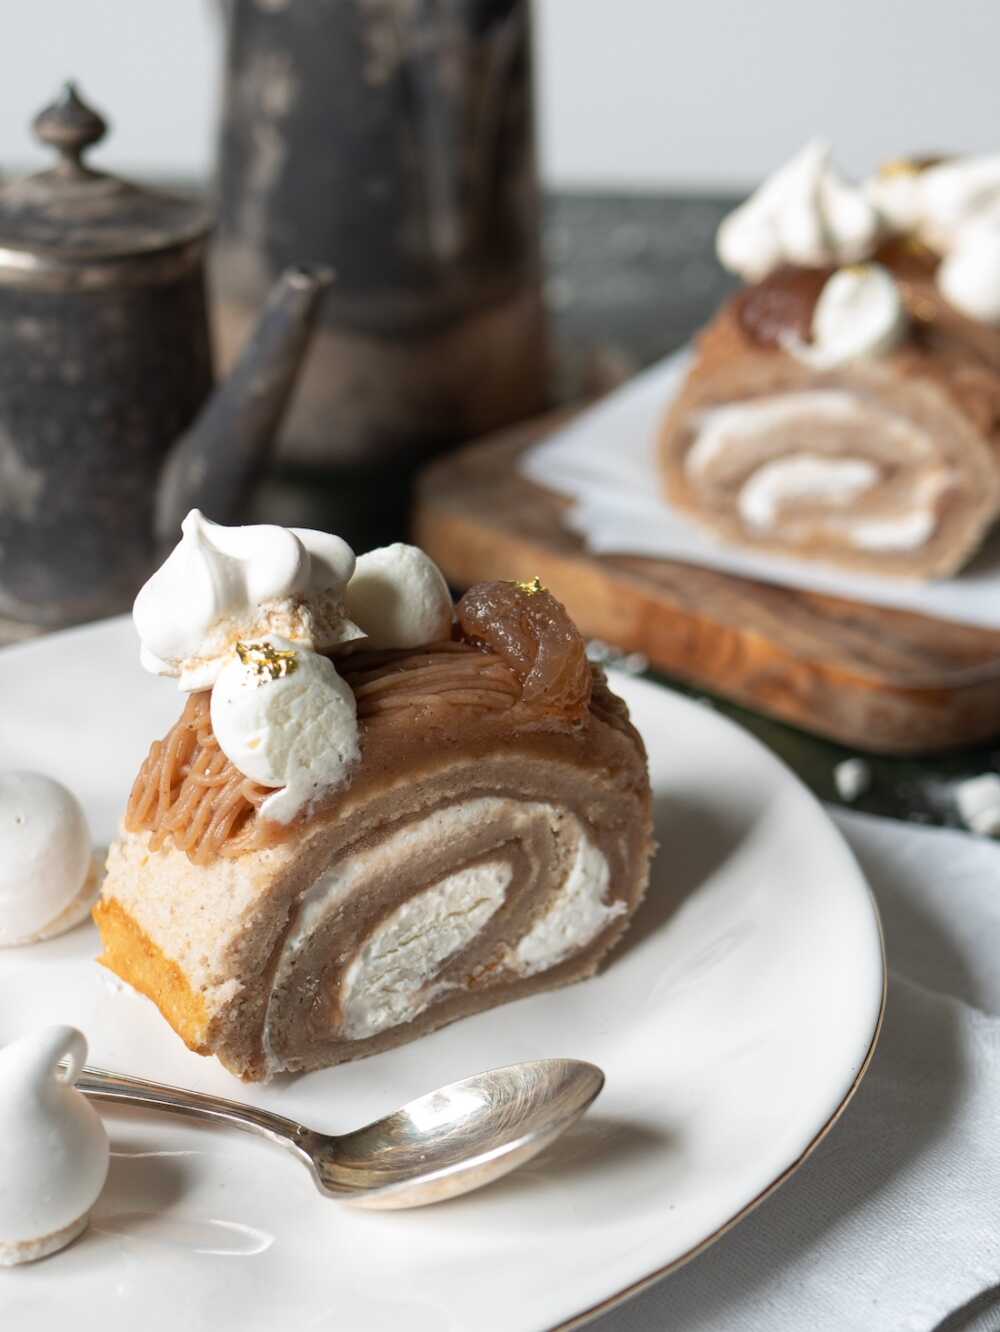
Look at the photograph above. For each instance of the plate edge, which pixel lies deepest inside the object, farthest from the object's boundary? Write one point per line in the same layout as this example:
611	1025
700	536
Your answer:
620	1297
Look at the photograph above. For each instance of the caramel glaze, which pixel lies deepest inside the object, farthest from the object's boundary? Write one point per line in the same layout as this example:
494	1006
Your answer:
515	654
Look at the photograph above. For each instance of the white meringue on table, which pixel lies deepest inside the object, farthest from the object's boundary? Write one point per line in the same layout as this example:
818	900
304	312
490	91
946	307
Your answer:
285	718
398	597
805	214
54	1149
48	876
859	314
221	584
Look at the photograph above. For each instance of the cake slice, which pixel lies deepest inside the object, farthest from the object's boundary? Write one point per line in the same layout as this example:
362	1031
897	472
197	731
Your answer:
488	837
843	411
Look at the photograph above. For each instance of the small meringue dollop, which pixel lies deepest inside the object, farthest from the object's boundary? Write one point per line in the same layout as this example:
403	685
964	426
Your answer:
48	878
954	194
954	208
285	718
54	1149
896	191
968	277
860	313
220	584
399	599
805	214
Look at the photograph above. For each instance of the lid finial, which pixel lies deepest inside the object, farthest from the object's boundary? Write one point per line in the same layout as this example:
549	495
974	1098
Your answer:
70	126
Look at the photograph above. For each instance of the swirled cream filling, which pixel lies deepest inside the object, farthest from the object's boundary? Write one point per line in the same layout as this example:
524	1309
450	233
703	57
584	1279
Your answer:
577	914
805	476
753	422
391	978
791	465
387	983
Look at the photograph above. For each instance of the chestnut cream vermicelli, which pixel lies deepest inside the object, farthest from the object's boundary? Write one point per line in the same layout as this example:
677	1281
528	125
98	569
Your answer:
189	793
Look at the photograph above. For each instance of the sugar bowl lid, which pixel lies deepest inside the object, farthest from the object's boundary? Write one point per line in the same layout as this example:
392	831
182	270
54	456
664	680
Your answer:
71	215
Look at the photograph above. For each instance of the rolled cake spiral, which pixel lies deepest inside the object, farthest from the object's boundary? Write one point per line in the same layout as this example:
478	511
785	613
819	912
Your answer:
489	845
888	464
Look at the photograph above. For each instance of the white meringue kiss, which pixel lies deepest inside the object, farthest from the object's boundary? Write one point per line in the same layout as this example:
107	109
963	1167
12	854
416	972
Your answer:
399	598
54	1148
220	584
860	313
805	214
297	731
47	877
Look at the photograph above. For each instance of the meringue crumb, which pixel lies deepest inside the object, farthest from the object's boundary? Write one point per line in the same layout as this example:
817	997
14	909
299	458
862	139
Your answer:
978	801
852	778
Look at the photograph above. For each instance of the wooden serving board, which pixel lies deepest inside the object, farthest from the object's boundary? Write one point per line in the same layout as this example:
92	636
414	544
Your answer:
885	681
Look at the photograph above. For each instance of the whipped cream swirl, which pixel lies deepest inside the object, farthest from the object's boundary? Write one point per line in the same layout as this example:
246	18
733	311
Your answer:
285	718
896	190
954	208
956	194
860	313
809	216
805	214
969	277
248	612
938	200
959	216
400	598
221	584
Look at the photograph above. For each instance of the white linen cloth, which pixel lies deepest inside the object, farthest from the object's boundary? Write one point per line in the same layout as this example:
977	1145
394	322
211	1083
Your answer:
894	1222
605	459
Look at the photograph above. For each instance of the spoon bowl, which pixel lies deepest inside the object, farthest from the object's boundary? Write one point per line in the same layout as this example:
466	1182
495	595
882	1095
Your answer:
457	1138
446	1143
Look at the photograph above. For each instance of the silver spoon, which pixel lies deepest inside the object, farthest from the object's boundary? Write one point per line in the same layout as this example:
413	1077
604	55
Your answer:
445	1143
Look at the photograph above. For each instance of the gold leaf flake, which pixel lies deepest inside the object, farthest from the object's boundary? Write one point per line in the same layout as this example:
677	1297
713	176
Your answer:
266	661
900	166
531	586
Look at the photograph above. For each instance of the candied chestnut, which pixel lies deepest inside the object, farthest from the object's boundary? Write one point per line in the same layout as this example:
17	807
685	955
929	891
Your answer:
781	306
531	632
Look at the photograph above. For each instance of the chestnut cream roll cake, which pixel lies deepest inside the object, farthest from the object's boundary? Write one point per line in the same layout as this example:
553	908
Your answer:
845	405
334	852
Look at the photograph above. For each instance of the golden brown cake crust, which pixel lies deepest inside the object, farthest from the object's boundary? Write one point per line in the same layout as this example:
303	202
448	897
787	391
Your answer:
131	954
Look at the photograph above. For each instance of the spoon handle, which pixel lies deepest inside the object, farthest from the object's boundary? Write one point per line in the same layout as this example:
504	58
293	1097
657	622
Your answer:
127	1090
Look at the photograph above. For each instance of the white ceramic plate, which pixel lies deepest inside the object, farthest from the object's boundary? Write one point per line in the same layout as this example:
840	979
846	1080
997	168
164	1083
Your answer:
733	1024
